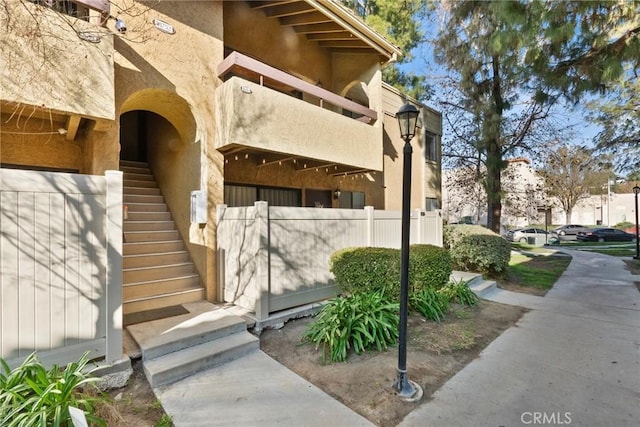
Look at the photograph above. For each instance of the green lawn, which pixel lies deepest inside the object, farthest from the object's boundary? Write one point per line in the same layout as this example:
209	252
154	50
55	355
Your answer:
624	252
536	271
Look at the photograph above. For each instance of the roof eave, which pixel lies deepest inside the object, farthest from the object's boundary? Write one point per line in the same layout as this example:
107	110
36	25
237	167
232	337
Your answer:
344	17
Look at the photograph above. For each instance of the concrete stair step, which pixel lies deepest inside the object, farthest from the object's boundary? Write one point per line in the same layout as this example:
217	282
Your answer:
148	216
142	198
154	259
163	336
133	164
150	236
162	301
138	183
147	274
129	176
181	364
147	207
484	288
130	225
143	170
469	278
143	248
139	290
155	191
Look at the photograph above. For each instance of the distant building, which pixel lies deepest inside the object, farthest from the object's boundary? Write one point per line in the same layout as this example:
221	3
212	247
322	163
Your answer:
524	202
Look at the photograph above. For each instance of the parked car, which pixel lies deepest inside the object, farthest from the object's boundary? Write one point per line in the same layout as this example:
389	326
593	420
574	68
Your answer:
523	234
633	230
605	235
569	231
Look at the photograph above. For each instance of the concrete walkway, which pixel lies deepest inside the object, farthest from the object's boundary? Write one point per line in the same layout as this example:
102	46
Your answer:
572	360
253	390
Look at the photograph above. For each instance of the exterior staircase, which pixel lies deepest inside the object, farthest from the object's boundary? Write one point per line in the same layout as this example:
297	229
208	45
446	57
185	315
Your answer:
157	269
478	285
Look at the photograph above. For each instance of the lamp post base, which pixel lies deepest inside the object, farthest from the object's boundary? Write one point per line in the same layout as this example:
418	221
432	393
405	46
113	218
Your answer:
408	390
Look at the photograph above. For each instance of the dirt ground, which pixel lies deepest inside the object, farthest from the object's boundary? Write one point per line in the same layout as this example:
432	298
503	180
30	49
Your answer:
135	404
435	352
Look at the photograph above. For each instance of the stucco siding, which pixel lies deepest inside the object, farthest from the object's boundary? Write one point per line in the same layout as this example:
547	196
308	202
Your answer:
45	64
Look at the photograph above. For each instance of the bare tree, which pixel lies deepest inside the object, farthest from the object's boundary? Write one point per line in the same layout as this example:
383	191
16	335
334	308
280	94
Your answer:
571	174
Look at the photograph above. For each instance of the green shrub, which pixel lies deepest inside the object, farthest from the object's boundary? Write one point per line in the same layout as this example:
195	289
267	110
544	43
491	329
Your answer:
459	292
358	270
452	234
429	302
32	396
481	253
360	322
429	266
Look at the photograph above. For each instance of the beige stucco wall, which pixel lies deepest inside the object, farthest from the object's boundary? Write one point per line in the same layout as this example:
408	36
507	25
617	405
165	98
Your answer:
173	75
256	116
250	32
45	64
36	142
425	175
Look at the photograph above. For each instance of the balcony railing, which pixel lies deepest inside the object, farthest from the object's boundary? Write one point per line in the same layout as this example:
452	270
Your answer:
249	68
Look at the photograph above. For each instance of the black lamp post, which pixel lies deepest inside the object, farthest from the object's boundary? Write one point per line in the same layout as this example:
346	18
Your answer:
407	119
636	190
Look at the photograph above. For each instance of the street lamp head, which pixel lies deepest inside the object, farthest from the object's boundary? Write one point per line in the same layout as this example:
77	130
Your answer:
636	190
407	117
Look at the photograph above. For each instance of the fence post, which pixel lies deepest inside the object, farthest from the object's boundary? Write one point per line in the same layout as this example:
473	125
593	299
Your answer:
113	224
421	226
439	229
371	238
221	278
262	261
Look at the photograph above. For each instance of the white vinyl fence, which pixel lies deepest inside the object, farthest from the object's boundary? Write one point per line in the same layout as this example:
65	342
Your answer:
272	258
60	265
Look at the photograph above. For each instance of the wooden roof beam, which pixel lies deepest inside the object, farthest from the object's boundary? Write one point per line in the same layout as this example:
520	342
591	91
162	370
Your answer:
288	9
327	27
304	19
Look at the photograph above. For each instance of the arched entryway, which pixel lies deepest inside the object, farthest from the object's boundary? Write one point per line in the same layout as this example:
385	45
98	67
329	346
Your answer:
160	159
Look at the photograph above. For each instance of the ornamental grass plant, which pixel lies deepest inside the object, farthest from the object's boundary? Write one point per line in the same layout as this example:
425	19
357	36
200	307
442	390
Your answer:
31	395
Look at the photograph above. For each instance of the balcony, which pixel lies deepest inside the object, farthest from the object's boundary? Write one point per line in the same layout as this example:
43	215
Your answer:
54	68
260	108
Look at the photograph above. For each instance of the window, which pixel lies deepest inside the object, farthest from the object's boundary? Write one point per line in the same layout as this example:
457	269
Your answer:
431	204
246	195
76	8
351	200
431	146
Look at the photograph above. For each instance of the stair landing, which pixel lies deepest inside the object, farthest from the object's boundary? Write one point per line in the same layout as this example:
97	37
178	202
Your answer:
176	347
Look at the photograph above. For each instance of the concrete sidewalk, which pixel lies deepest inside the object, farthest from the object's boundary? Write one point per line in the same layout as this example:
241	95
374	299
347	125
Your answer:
572	360
253	390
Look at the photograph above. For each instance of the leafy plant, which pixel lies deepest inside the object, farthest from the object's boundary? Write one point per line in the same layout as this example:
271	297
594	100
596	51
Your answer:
429	266
452	234
431	303
460	293
165	421
32	396
359	322
366	269
482	253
